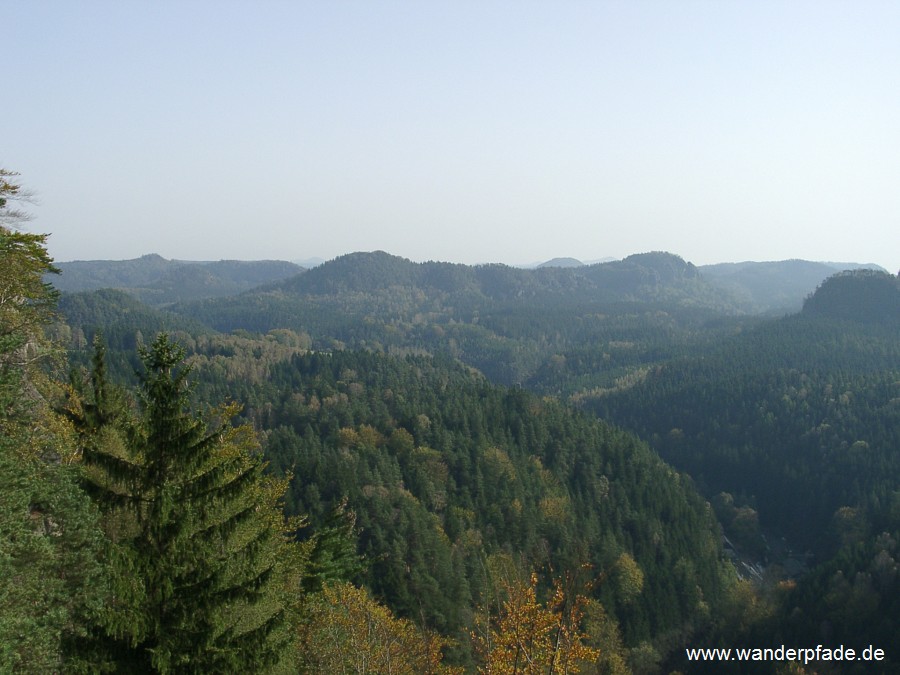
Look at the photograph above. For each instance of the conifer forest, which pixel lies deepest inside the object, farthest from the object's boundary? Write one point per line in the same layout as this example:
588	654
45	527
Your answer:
381	466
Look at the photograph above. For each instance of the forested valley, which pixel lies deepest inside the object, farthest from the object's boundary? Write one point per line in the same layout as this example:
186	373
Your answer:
384	466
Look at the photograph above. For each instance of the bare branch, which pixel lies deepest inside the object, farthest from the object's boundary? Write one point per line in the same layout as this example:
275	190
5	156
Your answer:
11	192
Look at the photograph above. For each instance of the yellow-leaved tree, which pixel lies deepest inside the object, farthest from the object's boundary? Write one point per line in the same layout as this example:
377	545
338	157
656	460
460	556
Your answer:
349	632
525	636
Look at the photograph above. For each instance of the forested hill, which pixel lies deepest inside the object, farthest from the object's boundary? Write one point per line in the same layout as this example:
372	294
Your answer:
744	287
799	414
353	374
502	320
639	277
158	281
861	296
775	287
444	470
782	412
447	473
124	320
794	426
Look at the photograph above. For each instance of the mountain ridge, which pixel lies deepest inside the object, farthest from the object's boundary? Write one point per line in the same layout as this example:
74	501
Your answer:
158	281
637	276
747	287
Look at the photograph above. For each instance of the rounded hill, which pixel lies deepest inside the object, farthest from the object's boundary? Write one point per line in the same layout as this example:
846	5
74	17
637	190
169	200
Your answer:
863	295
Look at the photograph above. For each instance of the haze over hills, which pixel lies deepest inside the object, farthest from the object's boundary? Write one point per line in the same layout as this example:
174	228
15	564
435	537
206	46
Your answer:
791	429
562	262
510	323
158	281
641	275
502	320
308	263
376	378
750	287
461	443
775	286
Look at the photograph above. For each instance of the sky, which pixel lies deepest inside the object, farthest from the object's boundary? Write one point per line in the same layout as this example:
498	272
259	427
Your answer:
462	131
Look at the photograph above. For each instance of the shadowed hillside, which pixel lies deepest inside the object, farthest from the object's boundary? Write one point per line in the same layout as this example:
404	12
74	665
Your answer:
773	286
157	281
861	295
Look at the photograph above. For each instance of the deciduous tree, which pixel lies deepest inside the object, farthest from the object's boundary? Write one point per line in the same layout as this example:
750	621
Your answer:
349	632
529	637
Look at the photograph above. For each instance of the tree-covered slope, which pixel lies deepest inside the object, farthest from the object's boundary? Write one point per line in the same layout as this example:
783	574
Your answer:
157	281
797	421
502	320
122	319
860	296
800	414
443	469
52	577
778	286
645	276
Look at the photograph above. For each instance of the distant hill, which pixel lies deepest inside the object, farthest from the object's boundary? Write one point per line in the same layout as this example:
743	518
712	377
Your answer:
773	286
502	320
860	295
639	277
746	287
794	425
389	299
566	262
773	411
562	262
124	322
309	263
158	282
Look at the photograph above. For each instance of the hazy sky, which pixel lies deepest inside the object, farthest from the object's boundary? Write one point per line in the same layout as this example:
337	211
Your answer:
468	131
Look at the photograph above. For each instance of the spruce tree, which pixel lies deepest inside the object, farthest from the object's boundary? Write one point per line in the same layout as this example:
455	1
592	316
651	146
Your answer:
203	565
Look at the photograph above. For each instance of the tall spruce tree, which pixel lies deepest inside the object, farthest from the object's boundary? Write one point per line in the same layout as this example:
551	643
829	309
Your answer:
204	571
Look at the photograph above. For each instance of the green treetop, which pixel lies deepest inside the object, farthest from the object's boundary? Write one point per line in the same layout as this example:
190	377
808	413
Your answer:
204	566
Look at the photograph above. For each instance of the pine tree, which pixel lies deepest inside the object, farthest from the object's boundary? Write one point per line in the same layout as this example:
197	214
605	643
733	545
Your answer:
203	565
332	555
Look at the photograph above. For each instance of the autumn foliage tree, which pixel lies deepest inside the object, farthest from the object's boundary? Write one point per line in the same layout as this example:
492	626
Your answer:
526	636
347	631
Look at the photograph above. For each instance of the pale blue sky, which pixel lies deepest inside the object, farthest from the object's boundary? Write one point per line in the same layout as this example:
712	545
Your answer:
465	131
